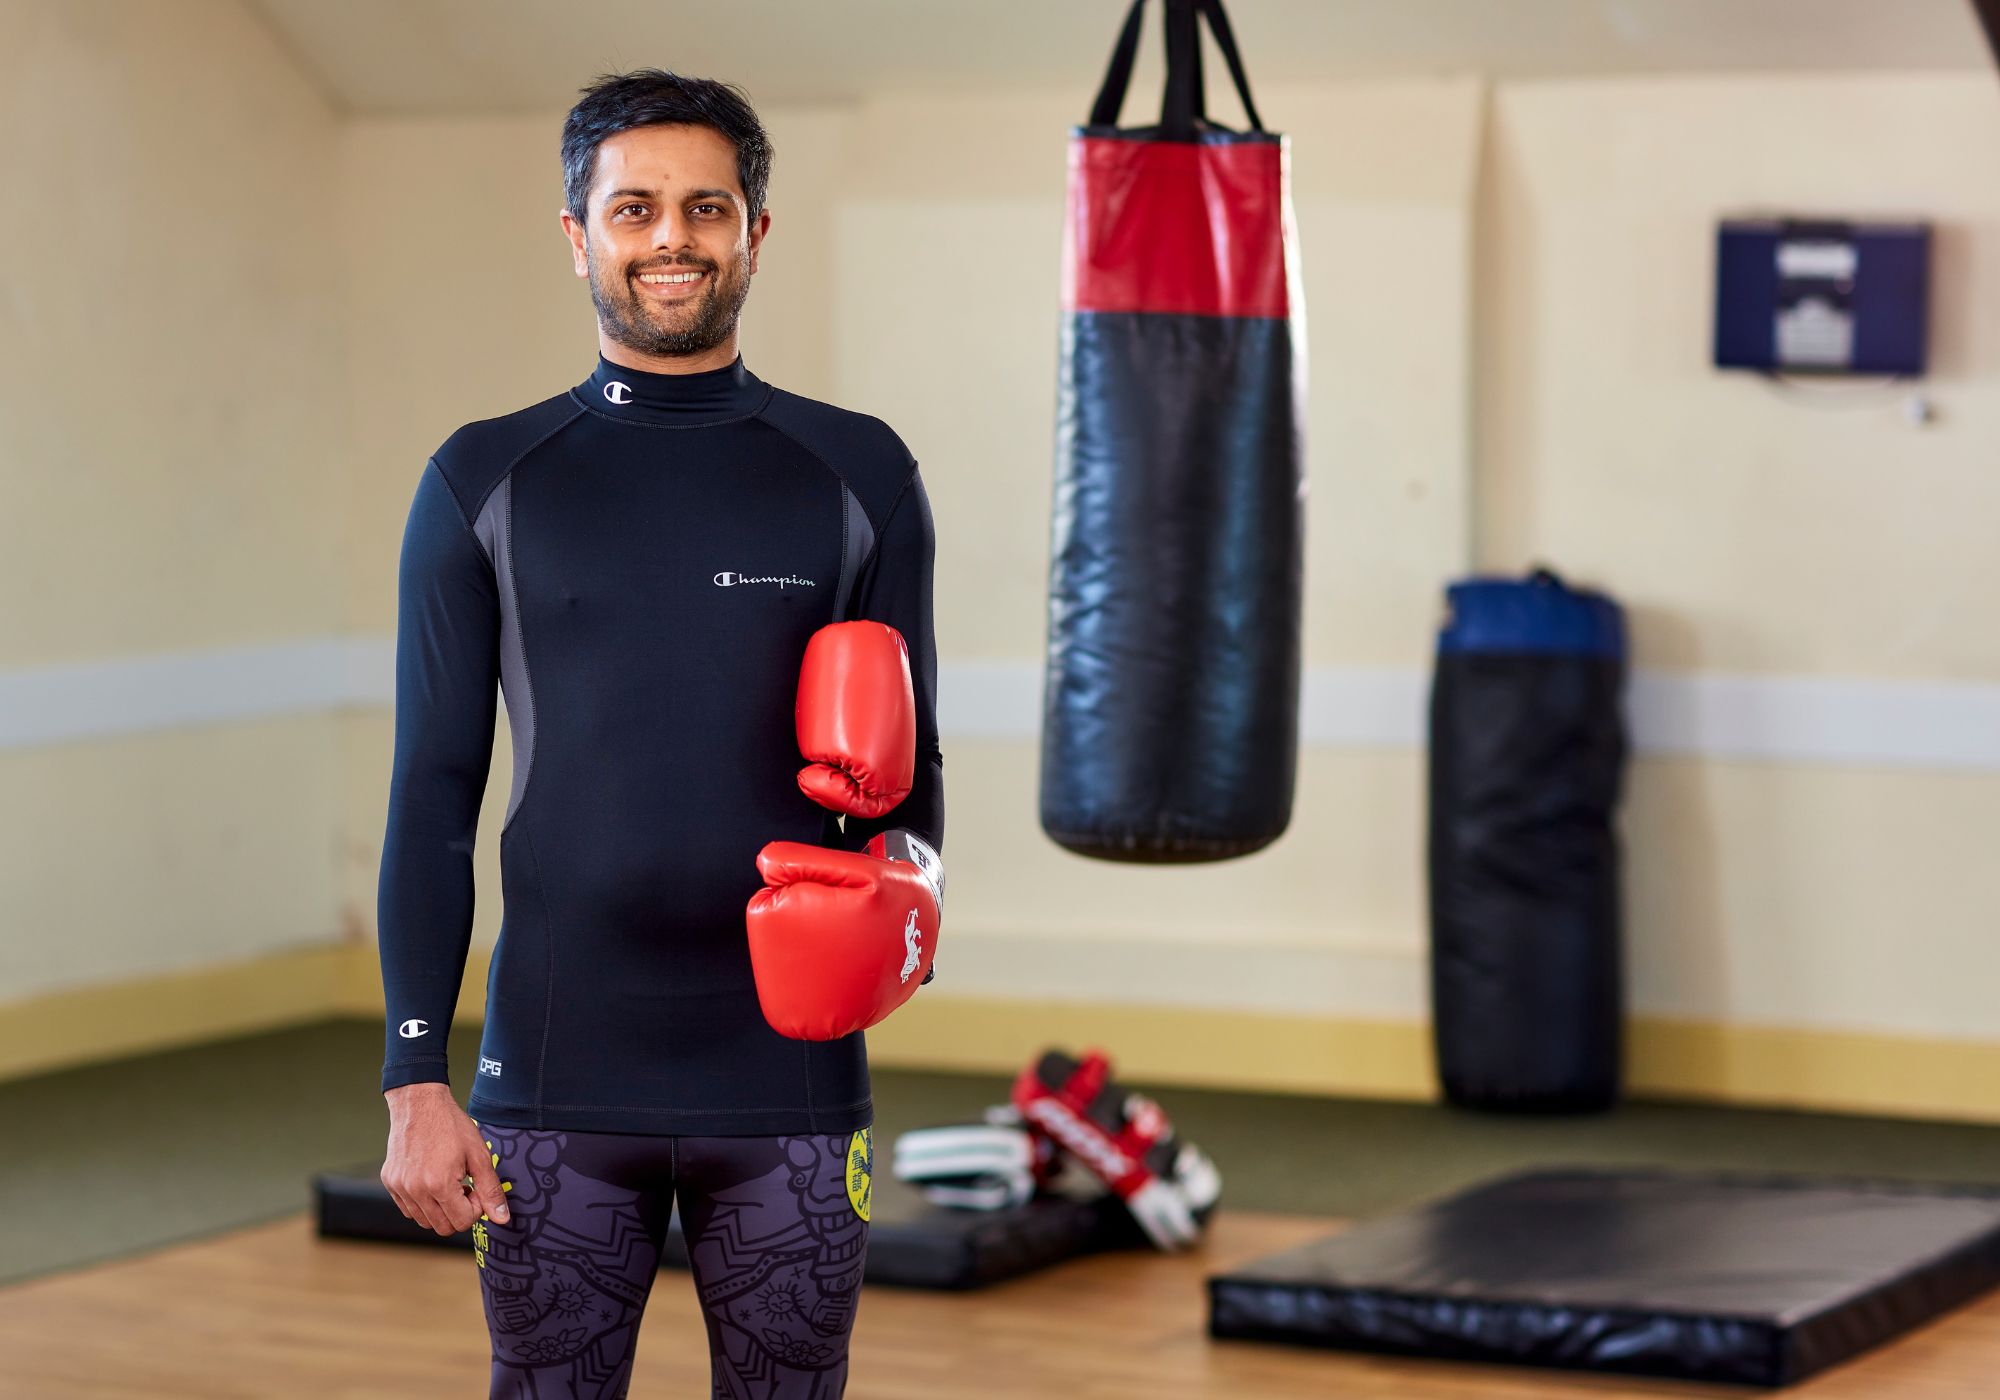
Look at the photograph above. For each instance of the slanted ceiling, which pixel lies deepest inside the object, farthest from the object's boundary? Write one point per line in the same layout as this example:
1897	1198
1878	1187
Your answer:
463	57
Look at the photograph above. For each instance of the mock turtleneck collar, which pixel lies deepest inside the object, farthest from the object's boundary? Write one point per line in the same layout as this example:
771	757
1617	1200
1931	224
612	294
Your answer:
673	400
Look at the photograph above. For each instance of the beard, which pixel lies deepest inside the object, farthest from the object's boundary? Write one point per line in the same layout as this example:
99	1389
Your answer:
691	326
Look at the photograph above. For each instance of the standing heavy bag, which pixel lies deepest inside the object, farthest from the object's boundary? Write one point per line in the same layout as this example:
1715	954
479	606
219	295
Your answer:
1170	713
1527	757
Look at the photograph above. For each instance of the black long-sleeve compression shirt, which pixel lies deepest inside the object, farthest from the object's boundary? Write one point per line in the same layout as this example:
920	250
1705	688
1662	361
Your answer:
636	566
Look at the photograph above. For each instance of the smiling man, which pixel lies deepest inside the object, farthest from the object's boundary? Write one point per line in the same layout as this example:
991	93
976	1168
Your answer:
672	308
638	564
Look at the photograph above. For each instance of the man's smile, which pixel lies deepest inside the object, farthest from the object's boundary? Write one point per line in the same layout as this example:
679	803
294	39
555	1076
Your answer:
673	285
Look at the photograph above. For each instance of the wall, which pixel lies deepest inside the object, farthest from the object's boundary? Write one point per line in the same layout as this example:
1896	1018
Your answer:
1807	908
1806	536
172	413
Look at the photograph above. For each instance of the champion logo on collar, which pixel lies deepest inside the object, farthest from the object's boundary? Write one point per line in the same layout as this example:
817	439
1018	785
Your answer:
688	400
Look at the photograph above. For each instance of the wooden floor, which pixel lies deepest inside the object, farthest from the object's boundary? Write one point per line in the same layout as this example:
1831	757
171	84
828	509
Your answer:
275	1311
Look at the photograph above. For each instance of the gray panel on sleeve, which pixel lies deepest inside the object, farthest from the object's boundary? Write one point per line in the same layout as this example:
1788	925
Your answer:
495	531
854	552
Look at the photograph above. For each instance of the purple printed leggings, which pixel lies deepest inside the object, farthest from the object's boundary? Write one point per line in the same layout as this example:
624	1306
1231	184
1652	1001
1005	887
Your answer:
776	1230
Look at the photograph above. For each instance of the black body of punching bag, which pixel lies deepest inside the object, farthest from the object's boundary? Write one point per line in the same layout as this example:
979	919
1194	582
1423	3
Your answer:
1170	713
1527	756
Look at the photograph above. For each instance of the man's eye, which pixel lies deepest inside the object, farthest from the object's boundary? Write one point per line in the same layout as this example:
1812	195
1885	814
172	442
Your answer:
716	207
630	207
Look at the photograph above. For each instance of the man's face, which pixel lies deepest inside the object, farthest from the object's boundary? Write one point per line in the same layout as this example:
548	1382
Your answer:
666	202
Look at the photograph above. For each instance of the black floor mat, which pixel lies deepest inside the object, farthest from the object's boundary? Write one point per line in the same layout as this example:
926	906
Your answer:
1747	1280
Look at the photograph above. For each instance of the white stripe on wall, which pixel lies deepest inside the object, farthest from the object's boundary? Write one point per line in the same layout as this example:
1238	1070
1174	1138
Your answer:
1384	983
1948	725
174	690
1819	719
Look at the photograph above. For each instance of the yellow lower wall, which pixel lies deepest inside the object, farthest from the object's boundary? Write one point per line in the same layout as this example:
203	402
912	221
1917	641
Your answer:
104	1021
1836	1071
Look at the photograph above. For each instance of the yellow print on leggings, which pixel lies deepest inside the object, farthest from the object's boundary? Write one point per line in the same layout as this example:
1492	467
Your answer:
860	1170
480	1239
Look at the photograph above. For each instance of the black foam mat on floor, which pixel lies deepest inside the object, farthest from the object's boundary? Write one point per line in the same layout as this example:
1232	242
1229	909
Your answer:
1745	1280
911	1243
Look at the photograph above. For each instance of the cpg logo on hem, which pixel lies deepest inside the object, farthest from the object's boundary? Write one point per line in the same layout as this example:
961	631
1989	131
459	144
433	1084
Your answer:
860	1170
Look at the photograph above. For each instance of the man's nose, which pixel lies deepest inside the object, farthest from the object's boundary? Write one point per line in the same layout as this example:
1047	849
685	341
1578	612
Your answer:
673	233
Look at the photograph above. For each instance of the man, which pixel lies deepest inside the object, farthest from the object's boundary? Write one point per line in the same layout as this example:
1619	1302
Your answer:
639	563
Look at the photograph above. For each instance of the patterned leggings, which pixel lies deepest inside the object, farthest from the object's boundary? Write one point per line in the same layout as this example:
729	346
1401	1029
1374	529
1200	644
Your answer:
776	1230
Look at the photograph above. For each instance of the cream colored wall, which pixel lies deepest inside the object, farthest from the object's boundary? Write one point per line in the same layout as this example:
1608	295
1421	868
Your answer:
1751	531
224	386
1755	533
171	422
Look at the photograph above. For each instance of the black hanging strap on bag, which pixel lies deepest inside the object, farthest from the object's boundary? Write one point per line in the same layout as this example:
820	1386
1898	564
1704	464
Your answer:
1185	100
1225	39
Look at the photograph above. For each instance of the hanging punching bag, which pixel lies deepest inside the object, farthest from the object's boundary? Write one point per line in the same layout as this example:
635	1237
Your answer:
1170	709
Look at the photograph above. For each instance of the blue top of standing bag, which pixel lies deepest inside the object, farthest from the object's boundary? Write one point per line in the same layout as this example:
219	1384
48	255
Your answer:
1539	614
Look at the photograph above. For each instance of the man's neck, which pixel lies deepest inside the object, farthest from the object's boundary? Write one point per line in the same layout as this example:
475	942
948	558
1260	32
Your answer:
721	357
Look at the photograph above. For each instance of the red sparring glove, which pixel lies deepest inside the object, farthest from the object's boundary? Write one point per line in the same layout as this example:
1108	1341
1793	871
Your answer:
857	718
839	939
1125	1140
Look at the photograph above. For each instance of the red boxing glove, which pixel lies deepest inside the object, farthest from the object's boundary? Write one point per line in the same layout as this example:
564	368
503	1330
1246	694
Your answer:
857	718
839	939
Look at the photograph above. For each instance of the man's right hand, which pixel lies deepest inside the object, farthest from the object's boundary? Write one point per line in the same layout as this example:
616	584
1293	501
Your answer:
433	1147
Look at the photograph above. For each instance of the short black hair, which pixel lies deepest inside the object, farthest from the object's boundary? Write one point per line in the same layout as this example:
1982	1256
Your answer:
616	102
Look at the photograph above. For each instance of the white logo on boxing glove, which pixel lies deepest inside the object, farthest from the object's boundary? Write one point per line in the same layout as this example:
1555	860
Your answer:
912	937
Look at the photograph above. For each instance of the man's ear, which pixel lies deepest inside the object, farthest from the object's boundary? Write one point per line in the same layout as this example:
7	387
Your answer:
757	232
577	235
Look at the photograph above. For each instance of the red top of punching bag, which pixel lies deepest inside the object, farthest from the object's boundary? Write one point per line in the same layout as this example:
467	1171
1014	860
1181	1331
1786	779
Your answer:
1179	226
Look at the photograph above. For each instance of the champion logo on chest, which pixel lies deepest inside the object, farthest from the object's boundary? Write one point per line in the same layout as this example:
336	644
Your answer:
728	579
